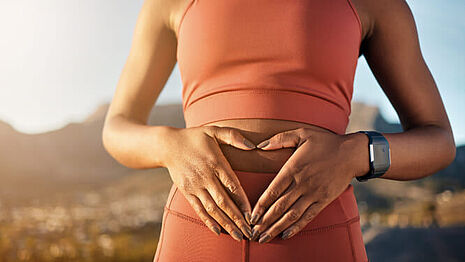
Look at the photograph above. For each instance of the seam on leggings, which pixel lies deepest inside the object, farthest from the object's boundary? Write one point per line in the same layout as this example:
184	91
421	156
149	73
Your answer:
349	232
172	197
245	250
303	232
162	236
186	217
327	228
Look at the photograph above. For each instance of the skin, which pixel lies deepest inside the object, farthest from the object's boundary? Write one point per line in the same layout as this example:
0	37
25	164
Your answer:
201	160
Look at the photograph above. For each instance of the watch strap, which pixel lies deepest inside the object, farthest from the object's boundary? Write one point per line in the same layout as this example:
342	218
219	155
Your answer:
375	139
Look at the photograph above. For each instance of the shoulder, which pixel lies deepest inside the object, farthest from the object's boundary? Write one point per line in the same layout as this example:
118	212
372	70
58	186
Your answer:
384	13
165	10
392	17
170	11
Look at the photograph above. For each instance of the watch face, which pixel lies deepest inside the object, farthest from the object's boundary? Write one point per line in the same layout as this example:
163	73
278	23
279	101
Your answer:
382	157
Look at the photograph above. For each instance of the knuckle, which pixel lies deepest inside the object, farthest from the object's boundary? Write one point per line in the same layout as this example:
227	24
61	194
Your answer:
280	207
212	162
309	216
293	215
232	187
273	193
210	208
228	227
221	201
324	192
185	184
236	219
296	168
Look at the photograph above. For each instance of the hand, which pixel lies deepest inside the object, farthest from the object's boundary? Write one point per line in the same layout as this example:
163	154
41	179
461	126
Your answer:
316	173
201	172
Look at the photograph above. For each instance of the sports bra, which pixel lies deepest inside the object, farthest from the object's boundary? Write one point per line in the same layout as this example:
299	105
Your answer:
276	59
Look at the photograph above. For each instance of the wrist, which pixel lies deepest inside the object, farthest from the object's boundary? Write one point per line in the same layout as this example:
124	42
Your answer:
162	144
356	146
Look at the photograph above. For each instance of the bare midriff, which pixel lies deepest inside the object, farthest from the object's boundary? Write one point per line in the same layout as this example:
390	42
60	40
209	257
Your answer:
257	130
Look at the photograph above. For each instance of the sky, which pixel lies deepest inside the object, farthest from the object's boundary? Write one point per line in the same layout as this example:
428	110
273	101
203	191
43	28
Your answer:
60	60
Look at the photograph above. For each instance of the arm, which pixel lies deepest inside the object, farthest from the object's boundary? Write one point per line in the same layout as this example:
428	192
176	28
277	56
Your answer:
309	180
152	57
192	156
393	53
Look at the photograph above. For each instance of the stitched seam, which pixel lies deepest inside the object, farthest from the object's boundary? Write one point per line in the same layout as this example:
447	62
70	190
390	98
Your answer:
357	16
349	232
172	197
185	217
244	251
328	228
275	91
303	232
183	15
247	257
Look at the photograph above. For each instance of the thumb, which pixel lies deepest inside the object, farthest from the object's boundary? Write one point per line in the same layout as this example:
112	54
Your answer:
232	136
289	138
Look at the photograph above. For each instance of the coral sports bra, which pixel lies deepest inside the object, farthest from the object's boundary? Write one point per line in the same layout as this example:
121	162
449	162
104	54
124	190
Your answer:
276	59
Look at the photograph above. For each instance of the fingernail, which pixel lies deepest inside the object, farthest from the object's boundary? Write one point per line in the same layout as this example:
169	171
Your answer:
254	234
216	230
263	144
264	238
254	219
249	233
249	144
286	234
247	230
237	235
247	217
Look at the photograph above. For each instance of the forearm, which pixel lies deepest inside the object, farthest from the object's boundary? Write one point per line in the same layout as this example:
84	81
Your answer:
133	144
415	153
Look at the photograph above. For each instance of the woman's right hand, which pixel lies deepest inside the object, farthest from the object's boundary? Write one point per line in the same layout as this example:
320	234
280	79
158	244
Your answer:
199	169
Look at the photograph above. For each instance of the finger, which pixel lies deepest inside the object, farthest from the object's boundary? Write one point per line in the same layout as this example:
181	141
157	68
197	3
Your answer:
276	211
232	136
202	213
224	202
231	183
290	217
289	138
310	213
274	190
214	211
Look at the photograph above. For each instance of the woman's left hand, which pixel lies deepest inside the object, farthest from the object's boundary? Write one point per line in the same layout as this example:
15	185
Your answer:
318	171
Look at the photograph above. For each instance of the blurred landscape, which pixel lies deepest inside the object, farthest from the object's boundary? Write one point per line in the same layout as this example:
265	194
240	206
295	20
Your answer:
63	198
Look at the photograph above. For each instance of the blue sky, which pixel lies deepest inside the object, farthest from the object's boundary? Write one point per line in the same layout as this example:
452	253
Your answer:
61	59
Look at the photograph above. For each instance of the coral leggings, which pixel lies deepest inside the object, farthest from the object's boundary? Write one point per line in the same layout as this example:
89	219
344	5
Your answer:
333	235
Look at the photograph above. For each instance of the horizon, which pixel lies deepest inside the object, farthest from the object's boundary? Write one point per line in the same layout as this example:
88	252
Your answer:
63	61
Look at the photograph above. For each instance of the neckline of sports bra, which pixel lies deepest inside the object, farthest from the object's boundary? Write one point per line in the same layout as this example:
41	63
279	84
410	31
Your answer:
350	3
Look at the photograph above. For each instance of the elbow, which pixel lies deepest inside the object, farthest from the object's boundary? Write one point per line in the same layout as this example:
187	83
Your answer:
449	149
451	153
105	137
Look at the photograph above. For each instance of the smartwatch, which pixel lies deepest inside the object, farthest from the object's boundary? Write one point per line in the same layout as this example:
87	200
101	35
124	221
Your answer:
380	155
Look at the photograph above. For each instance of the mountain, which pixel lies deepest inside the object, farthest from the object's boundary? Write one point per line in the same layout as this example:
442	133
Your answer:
74	156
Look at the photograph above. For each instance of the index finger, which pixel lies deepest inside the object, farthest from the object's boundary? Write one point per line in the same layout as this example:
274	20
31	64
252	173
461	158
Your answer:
274	190
233	186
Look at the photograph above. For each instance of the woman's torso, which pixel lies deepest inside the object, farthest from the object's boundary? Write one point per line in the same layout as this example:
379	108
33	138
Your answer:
257	130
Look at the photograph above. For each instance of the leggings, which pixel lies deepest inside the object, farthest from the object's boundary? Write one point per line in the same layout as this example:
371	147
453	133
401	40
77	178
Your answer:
333	235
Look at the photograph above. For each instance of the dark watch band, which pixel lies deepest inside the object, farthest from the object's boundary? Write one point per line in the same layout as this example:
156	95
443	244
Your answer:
380	155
